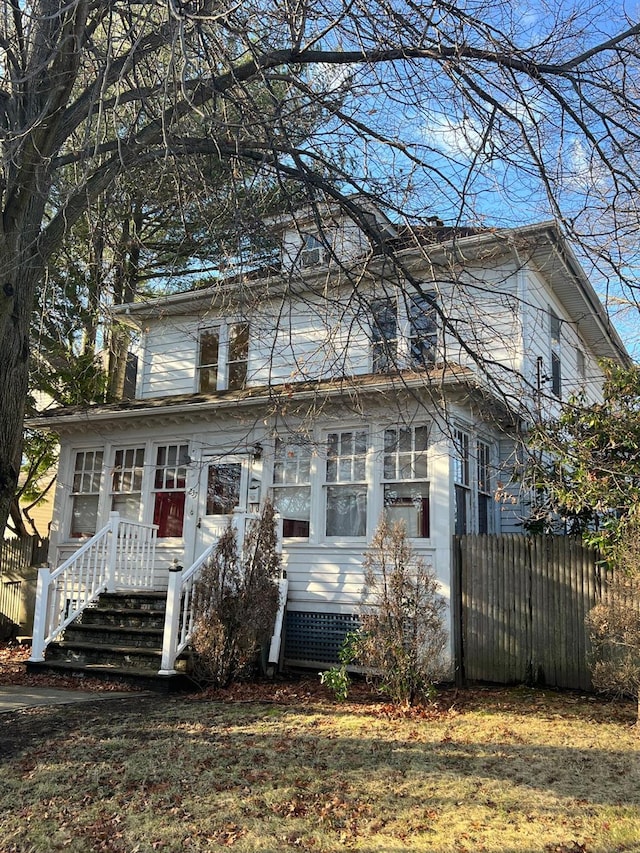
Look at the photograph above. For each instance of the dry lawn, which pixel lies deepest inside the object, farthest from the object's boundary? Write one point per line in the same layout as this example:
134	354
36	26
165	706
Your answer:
285	768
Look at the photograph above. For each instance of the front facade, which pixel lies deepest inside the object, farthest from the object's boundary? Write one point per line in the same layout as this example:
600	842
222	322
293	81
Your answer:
342	386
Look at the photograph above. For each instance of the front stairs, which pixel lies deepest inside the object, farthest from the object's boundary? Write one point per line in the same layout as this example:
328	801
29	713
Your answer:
118	638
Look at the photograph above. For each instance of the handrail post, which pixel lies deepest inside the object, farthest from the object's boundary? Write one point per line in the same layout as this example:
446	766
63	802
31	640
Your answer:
40	614
112	558
171	621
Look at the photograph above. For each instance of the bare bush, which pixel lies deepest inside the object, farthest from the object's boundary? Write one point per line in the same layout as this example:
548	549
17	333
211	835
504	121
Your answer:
614	630
236	604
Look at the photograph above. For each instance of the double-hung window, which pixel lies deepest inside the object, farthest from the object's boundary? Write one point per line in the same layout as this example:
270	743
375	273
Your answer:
404	332
423	330
169	487
292	487
405	474
126	482
224	352
485	497
461	481
85	492
346	483
384	335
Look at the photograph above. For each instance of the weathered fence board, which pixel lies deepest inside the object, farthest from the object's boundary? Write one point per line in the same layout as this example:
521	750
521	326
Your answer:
521	603
18	554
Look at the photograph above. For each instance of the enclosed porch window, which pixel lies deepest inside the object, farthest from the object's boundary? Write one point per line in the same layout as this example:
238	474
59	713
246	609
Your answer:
87	474
126	482
346	483
405	472
170	481
292	486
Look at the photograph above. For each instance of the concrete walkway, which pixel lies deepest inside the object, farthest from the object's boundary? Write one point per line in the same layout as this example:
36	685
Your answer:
19	697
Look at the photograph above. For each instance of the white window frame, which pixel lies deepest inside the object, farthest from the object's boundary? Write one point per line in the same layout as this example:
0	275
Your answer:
165	488
224	331
86	482
127	480
461	469
398	351
358	463
410	467
296	477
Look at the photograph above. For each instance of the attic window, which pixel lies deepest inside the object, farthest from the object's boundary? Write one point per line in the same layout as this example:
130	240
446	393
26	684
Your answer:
312	253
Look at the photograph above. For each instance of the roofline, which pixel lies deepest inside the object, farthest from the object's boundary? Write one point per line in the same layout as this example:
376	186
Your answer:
503	237
450	375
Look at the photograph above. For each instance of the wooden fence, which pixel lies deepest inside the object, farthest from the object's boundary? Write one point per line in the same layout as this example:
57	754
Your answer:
18	554
519	606
17	586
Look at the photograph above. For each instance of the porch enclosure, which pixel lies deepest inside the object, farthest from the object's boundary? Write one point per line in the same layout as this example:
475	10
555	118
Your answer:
519	605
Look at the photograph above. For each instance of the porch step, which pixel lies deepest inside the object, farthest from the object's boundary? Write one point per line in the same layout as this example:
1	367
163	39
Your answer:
142	679
108	654
118	638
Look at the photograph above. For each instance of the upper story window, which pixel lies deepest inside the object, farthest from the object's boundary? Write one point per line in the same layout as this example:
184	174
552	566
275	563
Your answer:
85	492
292	487
313	251
384	335
423	330
126	482
224	352
346	483
405	475
404	333
169	488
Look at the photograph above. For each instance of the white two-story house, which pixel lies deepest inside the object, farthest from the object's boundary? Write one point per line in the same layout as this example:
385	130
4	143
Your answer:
343	381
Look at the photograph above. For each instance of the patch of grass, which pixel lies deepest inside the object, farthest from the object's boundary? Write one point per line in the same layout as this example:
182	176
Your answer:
501	771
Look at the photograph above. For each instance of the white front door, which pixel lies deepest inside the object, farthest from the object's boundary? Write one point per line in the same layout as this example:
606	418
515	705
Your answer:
223	488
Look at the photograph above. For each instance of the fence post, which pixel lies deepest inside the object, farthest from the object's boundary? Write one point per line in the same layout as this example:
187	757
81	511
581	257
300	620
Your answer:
171	621
40	615
112	556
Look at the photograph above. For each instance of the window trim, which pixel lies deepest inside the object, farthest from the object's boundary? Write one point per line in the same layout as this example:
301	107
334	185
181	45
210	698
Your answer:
398	480
224	329
159	495
283	442
393	352
363	483
93	493
137	448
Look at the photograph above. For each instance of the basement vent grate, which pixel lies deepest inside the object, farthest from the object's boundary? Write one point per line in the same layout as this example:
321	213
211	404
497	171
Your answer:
316	636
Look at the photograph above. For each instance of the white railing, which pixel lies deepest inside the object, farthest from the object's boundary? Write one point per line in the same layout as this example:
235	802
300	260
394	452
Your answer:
180	613
121	555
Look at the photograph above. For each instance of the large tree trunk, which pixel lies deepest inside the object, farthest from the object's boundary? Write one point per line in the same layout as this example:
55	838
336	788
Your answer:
17	291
